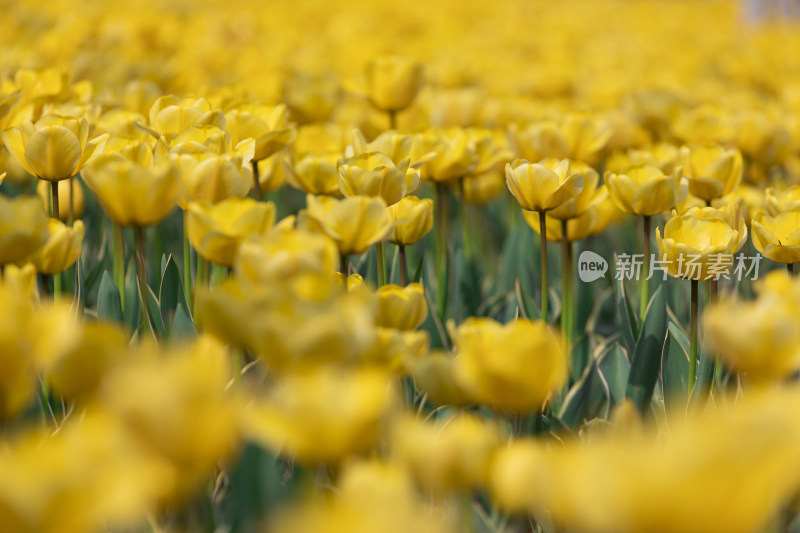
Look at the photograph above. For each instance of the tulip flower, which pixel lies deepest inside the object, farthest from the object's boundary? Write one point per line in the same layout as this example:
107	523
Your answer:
778	237
778	201
62	248
700	245
543	187
402	308
23	228
392	83
413	218
69	206
375	174
316	174
512	367
712	170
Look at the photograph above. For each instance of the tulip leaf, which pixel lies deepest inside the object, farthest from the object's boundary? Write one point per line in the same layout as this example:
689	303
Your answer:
586	398
467	284
646	362
171	291
630	327
418	272
675	368
155	313
181	326
615	369
705	375
108	302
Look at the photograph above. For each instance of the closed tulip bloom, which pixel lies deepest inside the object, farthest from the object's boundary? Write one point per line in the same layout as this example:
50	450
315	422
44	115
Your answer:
512	367
392	82
280	255
482	188
54	148
759	338
402	308
213	178
579	203
446	154
413	219
316	174
778	237
436	376
62	248
543	186
713	171
311	97
779	201
171	115
700	244
644	190
750	199
64	191
447	454
600	214
375	174
217	230
354	223
322	416
268	125
23	228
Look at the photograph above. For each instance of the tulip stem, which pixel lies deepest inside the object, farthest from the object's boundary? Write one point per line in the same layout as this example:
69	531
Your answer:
646	267
543	241
56	286
256	181
381	256
187	270
693	337
443	278
343	268
118	243
71	216
54	204
141	278
790	268
392	120
566	279
466	234
403	271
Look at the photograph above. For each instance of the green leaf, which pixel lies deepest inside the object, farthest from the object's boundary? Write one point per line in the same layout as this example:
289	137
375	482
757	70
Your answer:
586	398
675	368
155	313
630	327
646	362
171	292
108	302
705	374
181	326
418	272
131	298
615	368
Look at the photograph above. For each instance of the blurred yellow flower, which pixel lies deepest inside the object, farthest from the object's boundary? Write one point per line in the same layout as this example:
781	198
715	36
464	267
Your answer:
543	186
23	228
392	82
778	237
266	124
402	308
644	190
355	223
712	170
62	249
412	218
375	174
778	201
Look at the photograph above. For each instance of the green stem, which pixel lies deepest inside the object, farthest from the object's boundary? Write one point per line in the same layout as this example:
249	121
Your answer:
403	267
693	337
567	286
343	269
256	182
54	204
392	120
141	278
118	243
202	271
71	216
381	256
187	270
57	286
790	267
443	278
646	266
543	241
466	233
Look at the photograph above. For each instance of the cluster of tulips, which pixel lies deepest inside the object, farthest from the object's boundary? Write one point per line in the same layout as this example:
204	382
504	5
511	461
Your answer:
247	286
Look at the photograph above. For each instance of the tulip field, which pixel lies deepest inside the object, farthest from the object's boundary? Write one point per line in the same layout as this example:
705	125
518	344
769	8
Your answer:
371	266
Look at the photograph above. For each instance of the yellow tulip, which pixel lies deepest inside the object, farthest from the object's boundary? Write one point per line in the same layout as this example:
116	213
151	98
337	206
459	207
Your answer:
354	223
322	416
413	219
54	148
375	174
132	194
213	178
543	186
447	454
65	189
513	367
712	170
577	136
600	214
316	174
392	82
453	155
311	97
23	228
759	337
216	231
266	124
436	376
483	188
644	190
17	343
778	201
395	348
749	198
62	248
700	244
778	237
274	170
172	115
402	308
575	206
